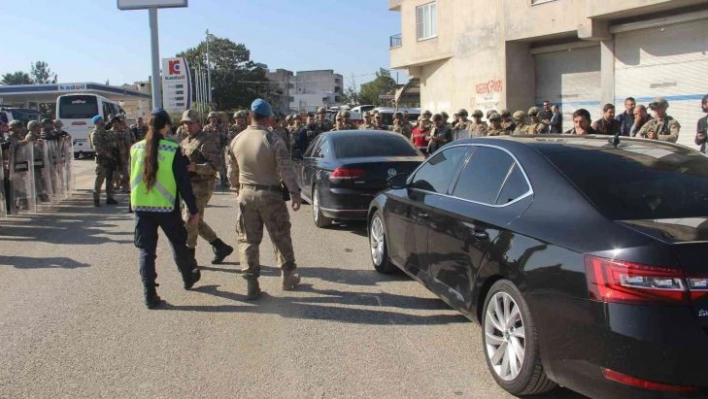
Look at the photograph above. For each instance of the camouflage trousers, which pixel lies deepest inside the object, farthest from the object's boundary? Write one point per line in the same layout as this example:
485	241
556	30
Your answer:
258	209
202	192
121	178
104	173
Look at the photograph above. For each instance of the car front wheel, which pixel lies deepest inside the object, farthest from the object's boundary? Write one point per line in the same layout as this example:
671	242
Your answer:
377	241
510	342
320	220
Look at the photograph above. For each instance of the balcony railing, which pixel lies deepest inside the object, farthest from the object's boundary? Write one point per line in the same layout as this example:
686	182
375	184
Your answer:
396	41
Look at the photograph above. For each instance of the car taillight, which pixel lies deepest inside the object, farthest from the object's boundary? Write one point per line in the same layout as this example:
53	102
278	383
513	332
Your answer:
620	281
636	382
347	174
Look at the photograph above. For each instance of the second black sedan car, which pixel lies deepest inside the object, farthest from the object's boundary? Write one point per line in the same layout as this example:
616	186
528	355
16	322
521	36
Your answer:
342	171
585	260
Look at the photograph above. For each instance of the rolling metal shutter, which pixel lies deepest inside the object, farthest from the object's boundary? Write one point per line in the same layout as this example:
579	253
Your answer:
670	61
571	79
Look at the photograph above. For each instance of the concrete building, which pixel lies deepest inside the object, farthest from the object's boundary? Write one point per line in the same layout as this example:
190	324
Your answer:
575	53
315	89
280	90
137	107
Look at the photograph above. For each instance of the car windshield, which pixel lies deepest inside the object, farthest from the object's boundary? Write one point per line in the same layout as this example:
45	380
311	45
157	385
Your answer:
78	107
378	145
638	181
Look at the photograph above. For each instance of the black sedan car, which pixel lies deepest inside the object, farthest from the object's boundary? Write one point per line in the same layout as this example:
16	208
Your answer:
342	171
584	261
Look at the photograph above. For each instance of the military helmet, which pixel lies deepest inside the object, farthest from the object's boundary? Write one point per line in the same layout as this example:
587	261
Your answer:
241	114
47	121
505	113
212	114
494	117
15	123
321	110
519	115
534	111
477	113
445	115
490	112
462	112
32	124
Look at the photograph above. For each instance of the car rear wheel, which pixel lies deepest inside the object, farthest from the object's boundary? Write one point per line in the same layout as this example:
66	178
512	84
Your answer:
319	219
377	240
510	342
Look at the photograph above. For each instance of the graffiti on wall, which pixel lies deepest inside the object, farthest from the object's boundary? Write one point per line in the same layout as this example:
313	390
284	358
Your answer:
489	87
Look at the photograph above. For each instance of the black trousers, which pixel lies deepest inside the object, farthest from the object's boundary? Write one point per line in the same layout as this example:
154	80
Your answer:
146	236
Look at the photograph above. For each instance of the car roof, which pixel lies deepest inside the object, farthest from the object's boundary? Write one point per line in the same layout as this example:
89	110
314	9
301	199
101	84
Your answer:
554	143
360	133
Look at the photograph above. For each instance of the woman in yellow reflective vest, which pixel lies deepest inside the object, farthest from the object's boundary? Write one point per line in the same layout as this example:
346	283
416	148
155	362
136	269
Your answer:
158	177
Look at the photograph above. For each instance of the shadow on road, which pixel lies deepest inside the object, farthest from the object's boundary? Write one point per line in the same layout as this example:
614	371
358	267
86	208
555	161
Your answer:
311	308
559	393
73	222
24	262
355	227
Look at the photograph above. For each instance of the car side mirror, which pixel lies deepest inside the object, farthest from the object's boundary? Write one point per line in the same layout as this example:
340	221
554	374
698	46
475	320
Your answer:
398	181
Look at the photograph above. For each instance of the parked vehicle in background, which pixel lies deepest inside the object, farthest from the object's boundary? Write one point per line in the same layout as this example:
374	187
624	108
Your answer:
584	261
363	108
23	115
342	171
76	112
388	112
355	117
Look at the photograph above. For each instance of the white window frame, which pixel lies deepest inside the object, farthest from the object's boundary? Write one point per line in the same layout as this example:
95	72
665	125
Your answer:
426	17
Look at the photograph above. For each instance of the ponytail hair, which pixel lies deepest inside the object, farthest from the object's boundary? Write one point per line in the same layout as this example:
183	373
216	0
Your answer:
152	143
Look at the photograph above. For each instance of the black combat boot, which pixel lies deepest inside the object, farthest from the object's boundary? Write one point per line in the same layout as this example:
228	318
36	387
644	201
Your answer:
111	201
221	251
193	274
254	289
96	200
152	300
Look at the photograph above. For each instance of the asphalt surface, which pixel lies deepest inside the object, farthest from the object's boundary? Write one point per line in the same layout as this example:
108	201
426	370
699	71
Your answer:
73	324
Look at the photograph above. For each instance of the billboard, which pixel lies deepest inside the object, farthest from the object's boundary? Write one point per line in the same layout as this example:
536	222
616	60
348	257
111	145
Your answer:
143	4
176	85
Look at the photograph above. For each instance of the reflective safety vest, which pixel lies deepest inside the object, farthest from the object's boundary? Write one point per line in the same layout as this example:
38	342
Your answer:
162	196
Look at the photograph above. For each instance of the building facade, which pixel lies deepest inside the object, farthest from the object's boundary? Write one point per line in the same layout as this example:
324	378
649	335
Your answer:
280	90
512	54
313	89
137	107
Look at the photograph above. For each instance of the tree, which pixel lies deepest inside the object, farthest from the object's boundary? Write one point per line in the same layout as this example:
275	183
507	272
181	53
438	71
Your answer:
383	84
350	96
236	79
41	74
16	78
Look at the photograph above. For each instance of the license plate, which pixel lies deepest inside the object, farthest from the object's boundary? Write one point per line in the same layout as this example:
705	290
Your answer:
22	166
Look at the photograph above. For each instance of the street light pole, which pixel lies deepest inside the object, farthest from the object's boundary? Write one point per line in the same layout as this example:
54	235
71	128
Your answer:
208	65
155	47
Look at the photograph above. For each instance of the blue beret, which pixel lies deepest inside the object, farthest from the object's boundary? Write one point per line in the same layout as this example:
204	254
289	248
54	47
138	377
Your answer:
261	107
96	119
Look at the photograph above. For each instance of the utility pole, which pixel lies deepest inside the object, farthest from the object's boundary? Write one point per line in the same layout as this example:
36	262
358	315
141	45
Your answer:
155	56
208	66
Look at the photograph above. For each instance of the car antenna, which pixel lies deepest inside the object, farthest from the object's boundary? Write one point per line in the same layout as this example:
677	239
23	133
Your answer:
615	141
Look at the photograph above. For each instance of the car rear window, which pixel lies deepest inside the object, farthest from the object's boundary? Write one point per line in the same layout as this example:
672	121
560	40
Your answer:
379	145
638	181
78	107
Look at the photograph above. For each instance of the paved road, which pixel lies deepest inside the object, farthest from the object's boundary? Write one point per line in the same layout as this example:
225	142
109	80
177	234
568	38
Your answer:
72	321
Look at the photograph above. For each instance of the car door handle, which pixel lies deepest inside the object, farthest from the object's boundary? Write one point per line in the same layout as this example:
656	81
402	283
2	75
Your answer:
480	235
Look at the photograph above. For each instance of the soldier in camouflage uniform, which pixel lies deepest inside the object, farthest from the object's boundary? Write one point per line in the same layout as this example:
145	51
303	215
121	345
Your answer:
520	122
324	124
219	131
459	129
205	157
305	136
125	140
496	128
34	131
343	122
446	120
367	125
477	127
506	121
663	127
105	143
260	167
238	126
278	128
536	126
400	126
15	138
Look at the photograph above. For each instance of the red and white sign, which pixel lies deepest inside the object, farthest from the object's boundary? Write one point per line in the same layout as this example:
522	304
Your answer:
176	85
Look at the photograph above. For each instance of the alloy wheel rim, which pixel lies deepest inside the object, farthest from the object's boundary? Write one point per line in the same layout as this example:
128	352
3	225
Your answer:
377	240
505	336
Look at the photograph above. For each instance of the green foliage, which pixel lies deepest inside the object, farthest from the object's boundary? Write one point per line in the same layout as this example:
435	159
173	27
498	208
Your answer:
383	84
16	78
41	74
235	78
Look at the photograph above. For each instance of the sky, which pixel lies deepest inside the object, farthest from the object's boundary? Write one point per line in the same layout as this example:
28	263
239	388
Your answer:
93	41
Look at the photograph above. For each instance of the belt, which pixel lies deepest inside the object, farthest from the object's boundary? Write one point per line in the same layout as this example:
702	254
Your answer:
262	187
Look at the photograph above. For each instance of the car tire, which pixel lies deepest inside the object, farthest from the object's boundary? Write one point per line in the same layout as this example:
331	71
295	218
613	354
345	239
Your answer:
510	342
377	245
320	220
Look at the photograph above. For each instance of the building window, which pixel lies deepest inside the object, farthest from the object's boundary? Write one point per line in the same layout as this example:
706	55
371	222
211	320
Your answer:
427	21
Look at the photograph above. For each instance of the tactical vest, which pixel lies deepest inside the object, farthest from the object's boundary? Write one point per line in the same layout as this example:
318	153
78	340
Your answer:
162	196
